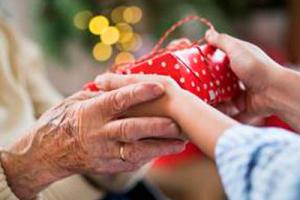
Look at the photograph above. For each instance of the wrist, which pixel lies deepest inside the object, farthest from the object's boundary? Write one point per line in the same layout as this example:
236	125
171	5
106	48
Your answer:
203	124
26	172
284	95
272	91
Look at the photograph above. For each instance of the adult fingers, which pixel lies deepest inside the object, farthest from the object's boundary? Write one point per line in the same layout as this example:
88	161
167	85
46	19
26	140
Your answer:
134	129
109	81
118	101
149	149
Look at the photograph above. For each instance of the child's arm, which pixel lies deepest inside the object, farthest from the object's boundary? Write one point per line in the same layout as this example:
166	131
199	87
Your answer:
203	123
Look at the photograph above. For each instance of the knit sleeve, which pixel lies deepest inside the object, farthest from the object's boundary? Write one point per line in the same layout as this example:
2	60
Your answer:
5	191
259	163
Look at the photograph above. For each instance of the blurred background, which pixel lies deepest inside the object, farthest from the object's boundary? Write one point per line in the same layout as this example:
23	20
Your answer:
82	38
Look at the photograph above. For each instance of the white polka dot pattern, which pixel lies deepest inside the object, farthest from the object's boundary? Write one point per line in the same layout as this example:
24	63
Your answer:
206	74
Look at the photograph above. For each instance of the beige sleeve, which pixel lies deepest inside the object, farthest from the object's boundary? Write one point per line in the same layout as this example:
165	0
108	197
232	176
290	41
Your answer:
42	93
5	191
74	187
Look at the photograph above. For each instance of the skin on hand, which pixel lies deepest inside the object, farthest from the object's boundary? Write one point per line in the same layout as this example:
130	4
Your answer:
197	119
255	69
84	134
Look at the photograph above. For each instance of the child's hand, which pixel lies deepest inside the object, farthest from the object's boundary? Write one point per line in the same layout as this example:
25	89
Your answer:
254	68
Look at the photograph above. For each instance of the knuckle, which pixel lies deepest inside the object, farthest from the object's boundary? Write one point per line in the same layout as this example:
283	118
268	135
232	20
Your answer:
124	130
137	93
167	123
172	128
116	101
167	126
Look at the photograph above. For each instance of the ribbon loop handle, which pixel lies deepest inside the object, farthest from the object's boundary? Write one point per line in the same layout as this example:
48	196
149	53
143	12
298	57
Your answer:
189	18
158	47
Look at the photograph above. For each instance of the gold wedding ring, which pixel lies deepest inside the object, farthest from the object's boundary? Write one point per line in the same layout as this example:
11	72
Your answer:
122	155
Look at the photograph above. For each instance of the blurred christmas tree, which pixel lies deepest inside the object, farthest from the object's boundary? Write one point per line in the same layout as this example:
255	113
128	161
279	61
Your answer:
117	27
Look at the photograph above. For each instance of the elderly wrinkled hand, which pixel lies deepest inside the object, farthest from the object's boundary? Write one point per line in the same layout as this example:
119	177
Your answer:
86	134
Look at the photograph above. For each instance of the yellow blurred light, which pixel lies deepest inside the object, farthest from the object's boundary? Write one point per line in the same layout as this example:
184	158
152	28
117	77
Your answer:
81	19
102	52
119	47
133	44
98	24
126	32
124	57
117	14
132	14
110	35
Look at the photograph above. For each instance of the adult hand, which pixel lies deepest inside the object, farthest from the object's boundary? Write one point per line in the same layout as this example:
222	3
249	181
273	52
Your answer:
254	68
160	107
84	134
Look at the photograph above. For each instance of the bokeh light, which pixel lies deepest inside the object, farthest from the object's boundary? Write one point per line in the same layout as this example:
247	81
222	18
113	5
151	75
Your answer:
126	32
115	31
124	57
117	14
102	52
110	35
132	14
98	24
133	44
81	19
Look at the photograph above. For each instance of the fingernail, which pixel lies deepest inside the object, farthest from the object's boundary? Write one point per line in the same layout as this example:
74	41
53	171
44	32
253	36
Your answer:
149	91
157	89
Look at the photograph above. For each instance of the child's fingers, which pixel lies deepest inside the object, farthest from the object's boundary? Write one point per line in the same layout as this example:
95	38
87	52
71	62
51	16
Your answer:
220	40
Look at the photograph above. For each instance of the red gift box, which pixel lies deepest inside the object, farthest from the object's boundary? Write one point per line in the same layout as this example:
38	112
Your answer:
199	68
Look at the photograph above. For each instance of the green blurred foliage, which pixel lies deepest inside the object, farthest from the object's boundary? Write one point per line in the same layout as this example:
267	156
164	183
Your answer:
54	27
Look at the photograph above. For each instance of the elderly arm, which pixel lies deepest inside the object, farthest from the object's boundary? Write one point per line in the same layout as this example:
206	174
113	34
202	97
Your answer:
83	135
